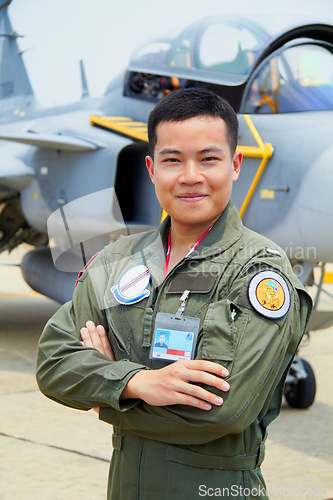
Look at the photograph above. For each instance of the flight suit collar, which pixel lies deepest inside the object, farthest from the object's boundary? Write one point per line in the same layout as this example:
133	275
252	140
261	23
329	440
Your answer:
225	232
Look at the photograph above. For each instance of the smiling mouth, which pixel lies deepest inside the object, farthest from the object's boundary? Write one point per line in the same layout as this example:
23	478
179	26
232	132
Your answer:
191	197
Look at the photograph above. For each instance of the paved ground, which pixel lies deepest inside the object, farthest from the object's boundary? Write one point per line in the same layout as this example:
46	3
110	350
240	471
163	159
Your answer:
52	452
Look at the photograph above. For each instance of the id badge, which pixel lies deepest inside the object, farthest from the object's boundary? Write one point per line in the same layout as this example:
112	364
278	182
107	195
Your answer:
174	338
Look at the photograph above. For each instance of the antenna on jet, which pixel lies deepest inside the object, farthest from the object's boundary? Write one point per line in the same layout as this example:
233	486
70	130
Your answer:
84	85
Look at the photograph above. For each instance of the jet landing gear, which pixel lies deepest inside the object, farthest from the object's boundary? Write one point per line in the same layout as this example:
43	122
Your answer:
300	385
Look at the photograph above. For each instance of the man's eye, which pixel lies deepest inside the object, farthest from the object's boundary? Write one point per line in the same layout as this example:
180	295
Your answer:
171	160
210	158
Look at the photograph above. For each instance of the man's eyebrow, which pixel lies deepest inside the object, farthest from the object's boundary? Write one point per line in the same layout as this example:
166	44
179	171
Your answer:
212	149
167	151
208	149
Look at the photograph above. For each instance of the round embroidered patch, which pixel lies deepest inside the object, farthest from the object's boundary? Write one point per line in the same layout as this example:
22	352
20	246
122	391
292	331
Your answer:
269	294
132	286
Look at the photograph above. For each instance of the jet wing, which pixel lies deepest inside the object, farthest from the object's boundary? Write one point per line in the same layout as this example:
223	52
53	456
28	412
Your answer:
50	141
14	174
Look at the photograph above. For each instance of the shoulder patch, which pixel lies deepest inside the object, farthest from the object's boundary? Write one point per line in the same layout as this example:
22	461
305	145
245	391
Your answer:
132	286
269	294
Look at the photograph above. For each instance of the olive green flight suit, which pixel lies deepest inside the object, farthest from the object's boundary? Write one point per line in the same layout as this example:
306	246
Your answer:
180	452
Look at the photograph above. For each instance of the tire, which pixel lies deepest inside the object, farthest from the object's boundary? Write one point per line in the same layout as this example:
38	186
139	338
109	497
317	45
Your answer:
302	394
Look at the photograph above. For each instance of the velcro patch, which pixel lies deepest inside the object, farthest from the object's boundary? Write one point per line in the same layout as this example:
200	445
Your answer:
195	282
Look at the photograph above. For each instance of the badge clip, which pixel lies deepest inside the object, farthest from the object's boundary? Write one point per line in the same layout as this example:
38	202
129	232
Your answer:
182	307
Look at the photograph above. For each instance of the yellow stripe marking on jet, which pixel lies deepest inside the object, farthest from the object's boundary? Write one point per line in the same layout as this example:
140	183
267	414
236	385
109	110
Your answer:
264	151
164	215
122	125
328	278
17	295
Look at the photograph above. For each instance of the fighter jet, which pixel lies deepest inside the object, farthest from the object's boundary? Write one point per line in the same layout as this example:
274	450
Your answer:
72	176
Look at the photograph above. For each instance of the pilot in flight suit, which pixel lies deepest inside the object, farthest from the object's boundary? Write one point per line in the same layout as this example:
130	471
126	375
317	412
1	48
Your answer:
252	312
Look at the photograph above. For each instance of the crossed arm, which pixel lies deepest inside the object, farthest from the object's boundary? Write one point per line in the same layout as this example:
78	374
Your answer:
173	384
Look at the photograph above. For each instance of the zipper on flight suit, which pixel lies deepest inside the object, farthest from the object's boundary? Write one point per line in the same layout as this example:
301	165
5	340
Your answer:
150	311
153	302
148	319
150	315
165	282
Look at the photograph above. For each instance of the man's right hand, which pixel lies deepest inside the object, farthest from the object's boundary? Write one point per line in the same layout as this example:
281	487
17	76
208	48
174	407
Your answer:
171	385
175	384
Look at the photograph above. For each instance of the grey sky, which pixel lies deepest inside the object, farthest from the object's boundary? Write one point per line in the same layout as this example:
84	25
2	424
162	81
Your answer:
105	32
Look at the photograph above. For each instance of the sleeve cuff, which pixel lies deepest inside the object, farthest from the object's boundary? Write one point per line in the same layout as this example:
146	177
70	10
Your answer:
119	375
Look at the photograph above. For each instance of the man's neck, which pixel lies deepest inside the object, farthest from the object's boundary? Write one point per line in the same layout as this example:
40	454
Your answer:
184	238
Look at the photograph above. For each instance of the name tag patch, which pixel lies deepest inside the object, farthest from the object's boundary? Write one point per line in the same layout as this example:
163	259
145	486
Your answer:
269	294
132	286
195	282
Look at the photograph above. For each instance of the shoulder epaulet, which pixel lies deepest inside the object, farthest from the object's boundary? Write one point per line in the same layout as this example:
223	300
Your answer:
273	251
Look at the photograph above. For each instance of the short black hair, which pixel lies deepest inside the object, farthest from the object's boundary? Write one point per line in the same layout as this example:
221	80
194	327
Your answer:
187	103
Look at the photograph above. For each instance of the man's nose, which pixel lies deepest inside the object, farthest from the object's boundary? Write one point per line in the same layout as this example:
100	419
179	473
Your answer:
191	173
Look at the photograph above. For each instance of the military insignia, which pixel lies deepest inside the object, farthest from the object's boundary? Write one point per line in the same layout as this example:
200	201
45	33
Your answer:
269	294
132	286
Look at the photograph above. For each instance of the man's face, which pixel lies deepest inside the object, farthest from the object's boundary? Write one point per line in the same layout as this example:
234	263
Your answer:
193	170
162	338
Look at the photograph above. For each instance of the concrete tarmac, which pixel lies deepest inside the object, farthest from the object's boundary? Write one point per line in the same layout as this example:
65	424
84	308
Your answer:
50	452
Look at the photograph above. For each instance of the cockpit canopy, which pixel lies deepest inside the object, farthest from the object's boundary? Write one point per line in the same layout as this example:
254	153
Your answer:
277	65
225	46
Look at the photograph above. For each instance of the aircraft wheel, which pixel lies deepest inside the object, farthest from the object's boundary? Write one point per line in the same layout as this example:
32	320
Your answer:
302	393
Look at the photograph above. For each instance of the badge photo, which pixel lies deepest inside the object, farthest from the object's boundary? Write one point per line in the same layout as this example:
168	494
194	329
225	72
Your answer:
269	294
132	286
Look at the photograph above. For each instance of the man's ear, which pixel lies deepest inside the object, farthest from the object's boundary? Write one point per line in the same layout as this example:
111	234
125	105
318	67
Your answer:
236	163
150	167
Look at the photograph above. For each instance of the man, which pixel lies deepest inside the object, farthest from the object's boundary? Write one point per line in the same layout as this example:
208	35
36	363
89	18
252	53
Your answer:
181	431
161	343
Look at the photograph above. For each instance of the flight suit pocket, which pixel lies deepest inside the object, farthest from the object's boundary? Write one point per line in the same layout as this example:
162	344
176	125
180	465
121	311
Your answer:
221	326
202	475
